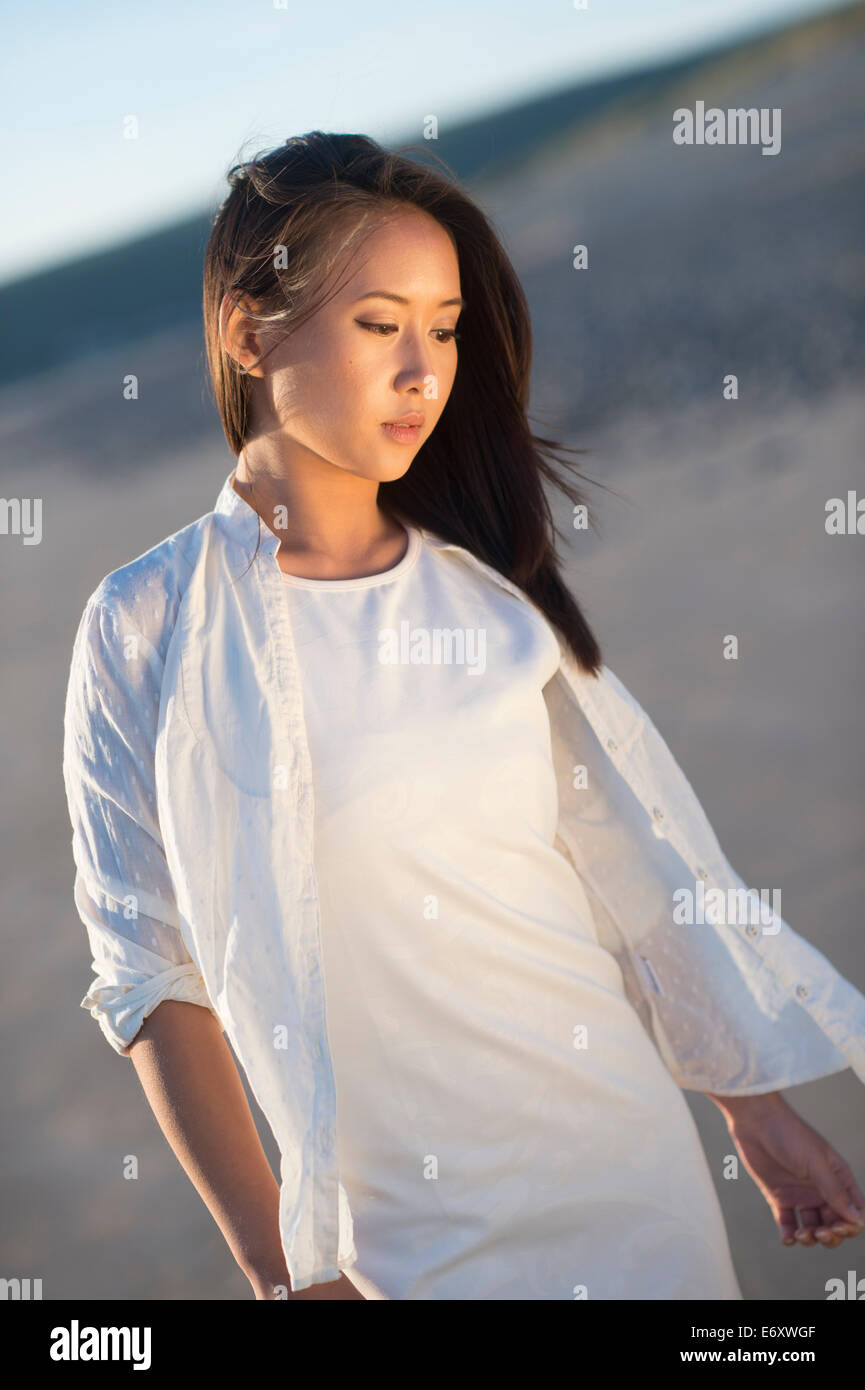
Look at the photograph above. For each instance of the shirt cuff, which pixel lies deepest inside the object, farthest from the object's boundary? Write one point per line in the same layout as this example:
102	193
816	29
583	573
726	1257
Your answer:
120	1010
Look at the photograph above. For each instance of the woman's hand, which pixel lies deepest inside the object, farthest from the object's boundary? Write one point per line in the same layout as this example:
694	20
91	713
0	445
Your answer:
266	1289
795	1168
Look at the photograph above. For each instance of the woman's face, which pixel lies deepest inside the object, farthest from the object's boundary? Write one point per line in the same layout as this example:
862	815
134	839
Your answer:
365	359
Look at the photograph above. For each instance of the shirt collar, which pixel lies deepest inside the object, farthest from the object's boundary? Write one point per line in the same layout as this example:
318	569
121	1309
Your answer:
242	522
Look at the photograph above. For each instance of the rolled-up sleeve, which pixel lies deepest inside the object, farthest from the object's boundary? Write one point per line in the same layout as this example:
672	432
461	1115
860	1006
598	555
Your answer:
123	890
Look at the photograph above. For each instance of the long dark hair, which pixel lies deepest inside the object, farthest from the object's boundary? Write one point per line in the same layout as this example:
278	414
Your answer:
477	481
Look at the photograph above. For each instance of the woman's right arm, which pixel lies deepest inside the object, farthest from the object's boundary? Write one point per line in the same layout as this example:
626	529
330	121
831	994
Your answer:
149	997
192	1084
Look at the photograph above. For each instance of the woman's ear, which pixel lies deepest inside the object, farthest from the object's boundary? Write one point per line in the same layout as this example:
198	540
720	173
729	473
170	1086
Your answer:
239	333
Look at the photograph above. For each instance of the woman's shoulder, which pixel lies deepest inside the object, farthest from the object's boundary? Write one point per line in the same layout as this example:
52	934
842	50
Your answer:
144	595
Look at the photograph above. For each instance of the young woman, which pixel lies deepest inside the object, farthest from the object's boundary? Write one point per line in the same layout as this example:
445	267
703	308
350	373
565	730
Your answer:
347	739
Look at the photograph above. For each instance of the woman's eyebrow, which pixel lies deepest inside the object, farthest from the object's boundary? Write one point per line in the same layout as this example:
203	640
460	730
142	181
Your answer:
398	298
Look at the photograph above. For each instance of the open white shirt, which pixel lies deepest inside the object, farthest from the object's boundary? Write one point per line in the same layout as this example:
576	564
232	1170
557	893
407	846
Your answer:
189	784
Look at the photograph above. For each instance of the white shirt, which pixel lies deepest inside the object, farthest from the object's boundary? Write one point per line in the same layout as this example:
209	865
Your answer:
189	783
505	1127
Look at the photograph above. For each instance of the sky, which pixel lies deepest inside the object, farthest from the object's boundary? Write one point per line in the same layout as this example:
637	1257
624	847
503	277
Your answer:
208	81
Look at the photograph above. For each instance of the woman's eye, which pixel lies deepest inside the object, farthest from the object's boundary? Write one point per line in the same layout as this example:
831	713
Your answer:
383	329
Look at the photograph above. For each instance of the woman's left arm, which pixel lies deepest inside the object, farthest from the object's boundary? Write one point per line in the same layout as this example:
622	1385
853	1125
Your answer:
794	1167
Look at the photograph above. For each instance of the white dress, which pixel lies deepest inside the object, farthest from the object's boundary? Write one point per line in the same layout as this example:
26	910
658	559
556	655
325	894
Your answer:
506	1128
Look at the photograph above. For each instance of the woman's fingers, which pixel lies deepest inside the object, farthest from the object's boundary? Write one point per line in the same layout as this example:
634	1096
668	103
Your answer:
817	1226
837	1186
828	1238
809	1220
787	1223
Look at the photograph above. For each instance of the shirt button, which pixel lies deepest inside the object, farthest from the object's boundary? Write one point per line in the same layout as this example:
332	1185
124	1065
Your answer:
701	873
752	929
657	813
318	1049
612	745
325	1138
311	962
801	992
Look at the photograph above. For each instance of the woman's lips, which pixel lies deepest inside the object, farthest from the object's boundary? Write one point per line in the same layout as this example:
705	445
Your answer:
403	434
